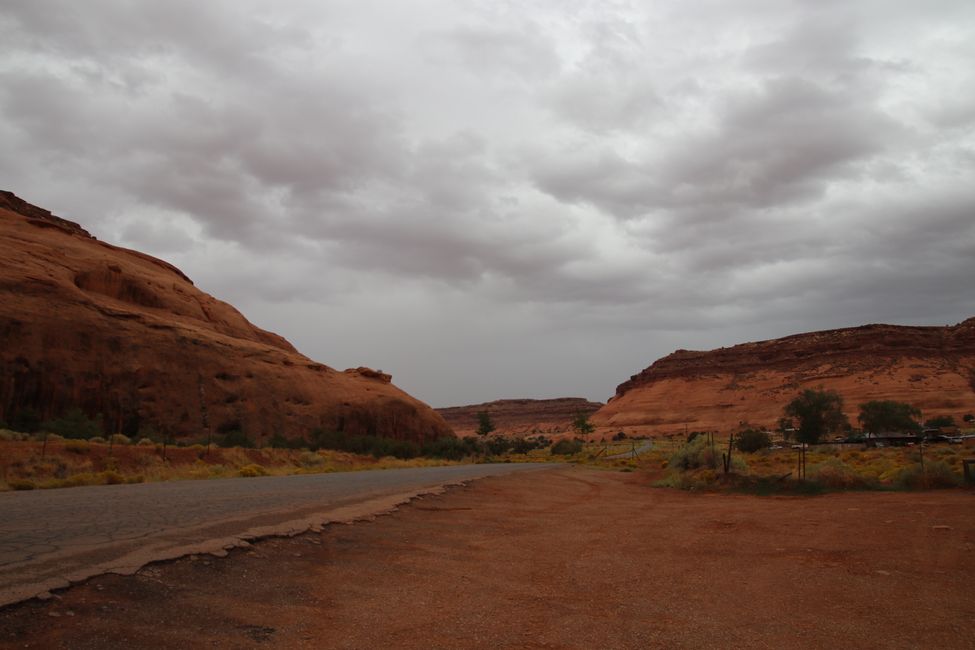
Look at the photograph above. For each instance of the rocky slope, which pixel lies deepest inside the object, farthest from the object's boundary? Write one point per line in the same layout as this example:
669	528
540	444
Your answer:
520	416
932	368
125	335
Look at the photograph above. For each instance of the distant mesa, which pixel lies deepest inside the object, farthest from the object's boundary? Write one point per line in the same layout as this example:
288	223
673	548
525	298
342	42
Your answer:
932	368
119	333
520	417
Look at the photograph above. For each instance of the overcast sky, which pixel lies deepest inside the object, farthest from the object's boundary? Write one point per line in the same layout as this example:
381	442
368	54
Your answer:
513	199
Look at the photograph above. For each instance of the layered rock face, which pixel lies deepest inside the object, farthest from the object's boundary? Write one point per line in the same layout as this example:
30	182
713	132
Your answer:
932	368
520	417
127	336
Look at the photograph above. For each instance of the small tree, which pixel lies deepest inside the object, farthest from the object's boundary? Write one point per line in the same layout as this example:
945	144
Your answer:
582	425
888	415
968	417
818	412
484	423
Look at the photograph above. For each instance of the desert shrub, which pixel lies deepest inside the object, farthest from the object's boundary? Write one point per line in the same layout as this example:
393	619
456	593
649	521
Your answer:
940	421
498	445
278	441
836	474
566	447
694	454
451	448
236	438
74	424
76	446
310	459
146	442
376	446
13	436
21	484
752	440
119	439
619	436
936	474
252	470
524	445
97	440
111	477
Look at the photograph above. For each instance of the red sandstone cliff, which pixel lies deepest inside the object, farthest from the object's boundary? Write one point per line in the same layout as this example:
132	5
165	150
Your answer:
932	368
520	416
120	333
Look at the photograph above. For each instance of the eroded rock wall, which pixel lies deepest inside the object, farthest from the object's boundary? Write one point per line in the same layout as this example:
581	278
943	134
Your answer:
127	336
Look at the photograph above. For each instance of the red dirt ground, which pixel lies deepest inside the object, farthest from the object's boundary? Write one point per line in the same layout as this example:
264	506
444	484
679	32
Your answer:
565	558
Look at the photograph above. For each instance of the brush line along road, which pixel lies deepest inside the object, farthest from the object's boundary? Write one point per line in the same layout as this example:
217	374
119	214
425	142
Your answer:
50	538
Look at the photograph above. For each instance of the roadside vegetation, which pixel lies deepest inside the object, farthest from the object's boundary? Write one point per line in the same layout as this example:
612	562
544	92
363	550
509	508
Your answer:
73	450
890	450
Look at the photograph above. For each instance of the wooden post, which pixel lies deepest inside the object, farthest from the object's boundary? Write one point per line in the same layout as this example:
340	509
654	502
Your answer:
966	467
726	458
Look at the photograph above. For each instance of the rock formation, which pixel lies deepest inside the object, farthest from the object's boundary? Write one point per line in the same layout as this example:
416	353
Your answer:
126	336
520	417
932	368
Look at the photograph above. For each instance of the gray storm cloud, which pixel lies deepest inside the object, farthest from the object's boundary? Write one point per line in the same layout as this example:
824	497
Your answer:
513	199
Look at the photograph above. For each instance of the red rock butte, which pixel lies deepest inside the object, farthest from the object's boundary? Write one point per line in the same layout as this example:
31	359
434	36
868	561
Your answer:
520	417
124	335
932	368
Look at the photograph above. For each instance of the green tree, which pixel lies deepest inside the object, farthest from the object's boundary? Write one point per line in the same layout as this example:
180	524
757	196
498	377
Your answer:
26	420
968	417
939	421
484	423
879	416
818	412
75	424
582	425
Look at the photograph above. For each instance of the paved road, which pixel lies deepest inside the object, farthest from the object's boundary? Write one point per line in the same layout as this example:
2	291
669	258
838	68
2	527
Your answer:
50	538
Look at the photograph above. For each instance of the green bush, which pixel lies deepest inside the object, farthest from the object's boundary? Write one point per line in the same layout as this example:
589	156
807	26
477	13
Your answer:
696	453
752	440
525	445
451	448
75	425
836	474
278	441
236	438
375	446
936	474
566	447
498	445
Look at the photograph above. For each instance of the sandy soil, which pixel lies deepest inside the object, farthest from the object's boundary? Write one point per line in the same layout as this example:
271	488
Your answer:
565	558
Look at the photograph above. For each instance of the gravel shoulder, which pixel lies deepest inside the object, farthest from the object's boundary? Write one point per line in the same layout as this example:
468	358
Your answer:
559	558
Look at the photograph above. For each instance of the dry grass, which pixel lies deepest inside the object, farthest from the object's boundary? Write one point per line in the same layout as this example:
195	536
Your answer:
70	463
839	467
